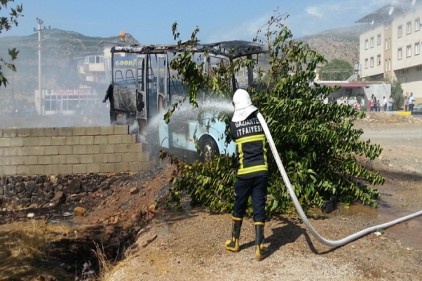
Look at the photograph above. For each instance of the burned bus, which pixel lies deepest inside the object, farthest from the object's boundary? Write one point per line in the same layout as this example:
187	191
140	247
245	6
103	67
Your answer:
144	86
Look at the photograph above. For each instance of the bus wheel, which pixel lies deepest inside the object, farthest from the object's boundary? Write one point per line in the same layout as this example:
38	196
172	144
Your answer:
209	149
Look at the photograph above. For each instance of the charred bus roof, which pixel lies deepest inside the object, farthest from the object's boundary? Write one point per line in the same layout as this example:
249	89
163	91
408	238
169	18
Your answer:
230	49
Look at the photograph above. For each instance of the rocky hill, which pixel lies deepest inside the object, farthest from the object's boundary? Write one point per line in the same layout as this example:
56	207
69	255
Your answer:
340	43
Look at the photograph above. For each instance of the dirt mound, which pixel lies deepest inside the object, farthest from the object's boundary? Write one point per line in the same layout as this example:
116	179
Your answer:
60	244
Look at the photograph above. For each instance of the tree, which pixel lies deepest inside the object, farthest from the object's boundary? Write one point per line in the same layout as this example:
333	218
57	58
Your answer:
397	95
319	146
336	70
6	23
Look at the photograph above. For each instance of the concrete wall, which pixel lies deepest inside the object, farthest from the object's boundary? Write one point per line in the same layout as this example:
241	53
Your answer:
67	150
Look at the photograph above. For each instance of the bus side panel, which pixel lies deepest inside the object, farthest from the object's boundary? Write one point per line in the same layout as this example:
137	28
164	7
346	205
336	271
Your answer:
163	134
216	130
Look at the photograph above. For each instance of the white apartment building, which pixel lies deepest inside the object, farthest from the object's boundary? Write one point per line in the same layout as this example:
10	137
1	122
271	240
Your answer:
391	48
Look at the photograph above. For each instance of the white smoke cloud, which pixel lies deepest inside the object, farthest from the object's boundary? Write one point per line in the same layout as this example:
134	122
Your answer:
314	11
242	31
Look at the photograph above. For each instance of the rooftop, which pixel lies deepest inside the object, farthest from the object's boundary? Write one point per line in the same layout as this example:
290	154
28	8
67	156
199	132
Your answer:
388	12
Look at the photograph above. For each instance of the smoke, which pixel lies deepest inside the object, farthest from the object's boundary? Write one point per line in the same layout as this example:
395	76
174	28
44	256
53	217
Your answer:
94	115
181	117
60	53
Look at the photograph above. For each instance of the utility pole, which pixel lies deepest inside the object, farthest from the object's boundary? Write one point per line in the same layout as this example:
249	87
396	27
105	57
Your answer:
38	29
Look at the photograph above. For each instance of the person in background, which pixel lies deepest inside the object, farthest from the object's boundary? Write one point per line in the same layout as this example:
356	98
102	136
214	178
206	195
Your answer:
390	103
252	171
412	101
406	103
373	102
384	103
369	105
356	105
110	98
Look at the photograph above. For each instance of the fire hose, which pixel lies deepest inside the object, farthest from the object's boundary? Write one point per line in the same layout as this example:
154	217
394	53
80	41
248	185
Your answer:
327	242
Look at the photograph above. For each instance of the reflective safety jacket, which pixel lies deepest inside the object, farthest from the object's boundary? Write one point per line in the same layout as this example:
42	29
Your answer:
250	147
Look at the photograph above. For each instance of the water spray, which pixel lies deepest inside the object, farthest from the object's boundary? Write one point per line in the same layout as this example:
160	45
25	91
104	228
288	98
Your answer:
330	243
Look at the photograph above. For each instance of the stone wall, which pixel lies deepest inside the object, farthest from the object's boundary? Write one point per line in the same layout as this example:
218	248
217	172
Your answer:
20	192
47	192
71	150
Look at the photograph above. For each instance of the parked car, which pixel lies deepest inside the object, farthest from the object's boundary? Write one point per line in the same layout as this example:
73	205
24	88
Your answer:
417	109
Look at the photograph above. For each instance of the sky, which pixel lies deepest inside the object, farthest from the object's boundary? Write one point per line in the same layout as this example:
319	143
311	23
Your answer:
149	22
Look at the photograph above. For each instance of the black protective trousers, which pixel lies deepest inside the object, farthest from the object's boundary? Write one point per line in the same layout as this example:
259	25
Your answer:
256	187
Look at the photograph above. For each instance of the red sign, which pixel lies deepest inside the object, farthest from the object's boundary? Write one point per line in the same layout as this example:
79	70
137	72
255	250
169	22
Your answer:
62	92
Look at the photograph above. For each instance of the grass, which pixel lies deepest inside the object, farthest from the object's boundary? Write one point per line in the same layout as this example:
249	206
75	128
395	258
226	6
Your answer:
24	245
104	264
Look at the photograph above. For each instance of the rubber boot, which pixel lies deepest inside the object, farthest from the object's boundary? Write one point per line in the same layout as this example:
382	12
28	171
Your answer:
233	243
260	251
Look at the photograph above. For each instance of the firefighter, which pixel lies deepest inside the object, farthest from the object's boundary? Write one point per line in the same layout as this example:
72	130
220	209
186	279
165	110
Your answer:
252	171
109	96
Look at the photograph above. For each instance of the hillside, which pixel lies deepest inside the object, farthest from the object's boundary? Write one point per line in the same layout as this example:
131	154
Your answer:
341	43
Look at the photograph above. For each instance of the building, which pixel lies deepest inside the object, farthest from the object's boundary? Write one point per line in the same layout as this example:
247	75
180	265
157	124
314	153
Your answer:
94	72
357	92
91	69
390	49
94	69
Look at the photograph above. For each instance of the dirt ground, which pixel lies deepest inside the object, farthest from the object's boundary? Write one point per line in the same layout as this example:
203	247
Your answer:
129	235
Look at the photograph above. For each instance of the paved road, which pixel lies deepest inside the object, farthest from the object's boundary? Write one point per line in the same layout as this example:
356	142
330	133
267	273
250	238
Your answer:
411	133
